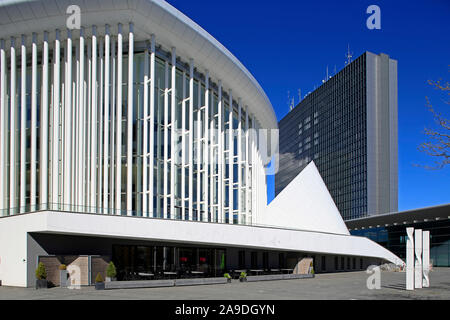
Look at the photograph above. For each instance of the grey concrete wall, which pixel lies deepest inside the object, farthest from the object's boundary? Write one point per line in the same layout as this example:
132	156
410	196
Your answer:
382	134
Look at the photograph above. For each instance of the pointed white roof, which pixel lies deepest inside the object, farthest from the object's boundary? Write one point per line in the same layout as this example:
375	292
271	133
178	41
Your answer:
305	204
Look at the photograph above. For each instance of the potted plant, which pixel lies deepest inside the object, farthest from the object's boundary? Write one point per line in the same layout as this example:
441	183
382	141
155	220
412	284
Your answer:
243	277
311	269
227	275
99	283
41	277
111	272
63	276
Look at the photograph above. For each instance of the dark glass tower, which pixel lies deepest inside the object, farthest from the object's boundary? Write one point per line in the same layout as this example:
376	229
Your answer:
348	127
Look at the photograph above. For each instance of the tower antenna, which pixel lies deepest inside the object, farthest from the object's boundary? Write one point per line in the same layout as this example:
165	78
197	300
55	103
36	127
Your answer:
349	56
289	101
299	95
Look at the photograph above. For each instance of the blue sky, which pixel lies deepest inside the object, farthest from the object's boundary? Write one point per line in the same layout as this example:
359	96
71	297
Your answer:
287	45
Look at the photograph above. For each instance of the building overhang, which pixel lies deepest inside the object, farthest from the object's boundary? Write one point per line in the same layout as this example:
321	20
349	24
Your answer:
197	233
435	213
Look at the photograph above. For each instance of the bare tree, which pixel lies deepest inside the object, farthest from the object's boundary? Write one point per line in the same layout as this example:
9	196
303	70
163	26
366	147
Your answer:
438	144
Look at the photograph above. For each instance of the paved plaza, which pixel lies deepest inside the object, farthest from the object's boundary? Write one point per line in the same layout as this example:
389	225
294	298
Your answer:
346	286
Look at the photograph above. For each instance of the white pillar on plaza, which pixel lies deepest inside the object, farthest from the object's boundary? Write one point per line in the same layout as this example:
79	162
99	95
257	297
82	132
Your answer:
410	259
426	259
418	258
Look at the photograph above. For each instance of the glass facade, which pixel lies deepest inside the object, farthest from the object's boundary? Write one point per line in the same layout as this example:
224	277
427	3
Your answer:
329	127
393	238
184	135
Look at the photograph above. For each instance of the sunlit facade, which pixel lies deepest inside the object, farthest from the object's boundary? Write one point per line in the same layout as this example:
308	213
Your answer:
138	138
98	130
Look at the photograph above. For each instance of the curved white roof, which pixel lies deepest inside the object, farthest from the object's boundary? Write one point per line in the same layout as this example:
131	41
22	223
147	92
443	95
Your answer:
170	26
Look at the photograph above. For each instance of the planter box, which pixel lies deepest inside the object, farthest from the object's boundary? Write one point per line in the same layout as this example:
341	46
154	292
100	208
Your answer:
41	284
200	281
109	279
99	286
139	284
269	277
274	277
63	278
297	276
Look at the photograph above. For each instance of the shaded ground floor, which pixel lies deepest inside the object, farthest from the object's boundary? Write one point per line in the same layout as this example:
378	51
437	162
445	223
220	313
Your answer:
346	286
148	260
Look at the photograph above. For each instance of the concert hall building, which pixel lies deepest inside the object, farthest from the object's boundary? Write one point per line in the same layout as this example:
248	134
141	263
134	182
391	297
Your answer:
139	138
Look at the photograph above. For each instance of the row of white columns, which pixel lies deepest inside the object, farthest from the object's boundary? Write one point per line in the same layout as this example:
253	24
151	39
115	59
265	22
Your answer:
80	164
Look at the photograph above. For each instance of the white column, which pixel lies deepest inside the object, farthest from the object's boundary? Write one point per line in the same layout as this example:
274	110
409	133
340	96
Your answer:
152	124
99	161
55	124
191	138
106	122
145	150
23	124
410	259
220	153
212	160
3	126
206	150
200	141
426	259
13	127
33	180
173	136
166	139
246	176
68	123
239	165
93	137
130	122
230	160
418	260
43	169
80	125
87	133
119	123
112	124
183	146
75	80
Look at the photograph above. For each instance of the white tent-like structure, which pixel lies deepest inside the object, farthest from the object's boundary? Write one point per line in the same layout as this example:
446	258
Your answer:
305	204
